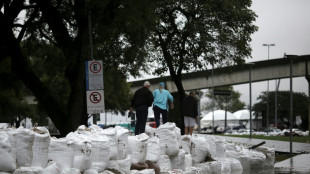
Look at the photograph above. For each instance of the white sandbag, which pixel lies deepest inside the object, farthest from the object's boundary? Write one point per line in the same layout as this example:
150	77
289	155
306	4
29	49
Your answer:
24	142
29	170
225	165
186	143
270	156
145	171
220	149
90	171
82	150
125	164
211	145
197	170
149	131
188	161
62	152
164	163
6	161
178	161
40	147
106	172
199	149
112	164
137	148
152	149
70	171
122	141
168	139
111	133
257	158
100	152
214	166
244	160
230	146
51	168
12	137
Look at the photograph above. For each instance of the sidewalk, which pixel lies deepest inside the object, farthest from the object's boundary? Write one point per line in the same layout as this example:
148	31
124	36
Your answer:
279	146
297	164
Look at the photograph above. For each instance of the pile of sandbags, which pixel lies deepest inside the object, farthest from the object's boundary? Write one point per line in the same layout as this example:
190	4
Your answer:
93	150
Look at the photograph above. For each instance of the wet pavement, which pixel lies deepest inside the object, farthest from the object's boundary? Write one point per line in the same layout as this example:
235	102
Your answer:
279	146
296	164
299	164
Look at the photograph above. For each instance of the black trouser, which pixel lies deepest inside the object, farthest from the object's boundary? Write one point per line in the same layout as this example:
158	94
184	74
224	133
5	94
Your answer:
157	112
141	115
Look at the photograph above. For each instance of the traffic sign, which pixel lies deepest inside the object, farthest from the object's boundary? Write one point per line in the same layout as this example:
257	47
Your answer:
94	75
95	101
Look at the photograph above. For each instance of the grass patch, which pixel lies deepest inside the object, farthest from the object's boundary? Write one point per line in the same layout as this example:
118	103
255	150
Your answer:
302	139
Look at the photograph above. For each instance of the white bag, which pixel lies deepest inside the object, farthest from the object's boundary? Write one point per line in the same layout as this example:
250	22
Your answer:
199	149
125	164
122	141
168	140
137	148
29	170
62	152
40	147
111	133
51	168
153	149
178	161
6	161
164	163
100	152
24	142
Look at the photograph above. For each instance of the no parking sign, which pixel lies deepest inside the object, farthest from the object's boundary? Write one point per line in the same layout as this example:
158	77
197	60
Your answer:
95	101
94	87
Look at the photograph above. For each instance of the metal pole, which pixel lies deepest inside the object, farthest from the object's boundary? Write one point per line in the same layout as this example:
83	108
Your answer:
212	101
250	107
276	103
199	110
225	114
291	104
267	119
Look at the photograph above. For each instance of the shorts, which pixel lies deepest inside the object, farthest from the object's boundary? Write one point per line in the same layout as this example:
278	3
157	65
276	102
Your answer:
189	121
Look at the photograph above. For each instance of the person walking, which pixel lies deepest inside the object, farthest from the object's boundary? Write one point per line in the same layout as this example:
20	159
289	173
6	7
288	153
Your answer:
190	112
160	106
142	100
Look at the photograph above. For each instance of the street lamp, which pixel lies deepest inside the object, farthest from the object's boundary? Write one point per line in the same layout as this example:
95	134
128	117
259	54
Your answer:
267	119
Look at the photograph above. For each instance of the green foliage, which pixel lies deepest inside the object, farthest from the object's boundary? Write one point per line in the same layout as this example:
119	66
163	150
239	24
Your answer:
233	102
300	106
189	35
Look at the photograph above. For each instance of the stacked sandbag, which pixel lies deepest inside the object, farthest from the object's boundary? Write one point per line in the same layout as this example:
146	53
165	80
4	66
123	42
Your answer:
178	161
51	168
150	131
29	170
244	160
122	141
164	163
186	143
211	145
7	163
137	148
111	133
188	161
40	147
24	142
100	152
257	158
220	148
270	156
82	148
199	150
152	149
62	152
168	139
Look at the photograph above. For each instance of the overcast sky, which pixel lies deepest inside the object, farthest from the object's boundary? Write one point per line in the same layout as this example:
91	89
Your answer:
286	24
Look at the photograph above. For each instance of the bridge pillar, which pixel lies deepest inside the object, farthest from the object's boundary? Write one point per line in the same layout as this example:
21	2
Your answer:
308	79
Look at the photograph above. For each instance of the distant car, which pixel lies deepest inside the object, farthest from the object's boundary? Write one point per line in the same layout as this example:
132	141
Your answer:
273	131
295	132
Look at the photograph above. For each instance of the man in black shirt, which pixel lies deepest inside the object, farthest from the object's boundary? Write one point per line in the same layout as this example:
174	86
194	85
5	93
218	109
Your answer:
190	112
142	100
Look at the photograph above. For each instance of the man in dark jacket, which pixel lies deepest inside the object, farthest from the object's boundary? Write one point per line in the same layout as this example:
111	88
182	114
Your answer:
190	112
142	100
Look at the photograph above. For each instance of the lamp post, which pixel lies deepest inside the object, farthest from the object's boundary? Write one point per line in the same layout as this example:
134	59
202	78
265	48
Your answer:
267	116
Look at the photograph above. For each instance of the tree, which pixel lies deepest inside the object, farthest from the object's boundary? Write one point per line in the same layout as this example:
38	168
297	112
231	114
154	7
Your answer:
190	35
233	101
64	24
299	107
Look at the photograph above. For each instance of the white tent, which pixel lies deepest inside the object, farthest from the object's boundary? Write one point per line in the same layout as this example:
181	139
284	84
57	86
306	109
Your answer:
219	118
243	114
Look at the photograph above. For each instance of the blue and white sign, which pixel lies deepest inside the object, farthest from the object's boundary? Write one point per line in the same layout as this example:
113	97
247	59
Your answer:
94	75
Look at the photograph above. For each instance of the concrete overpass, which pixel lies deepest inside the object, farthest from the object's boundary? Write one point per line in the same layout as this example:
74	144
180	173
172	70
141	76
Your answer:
234	75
